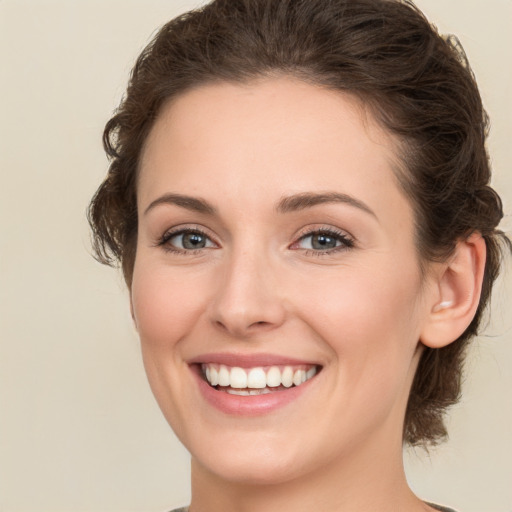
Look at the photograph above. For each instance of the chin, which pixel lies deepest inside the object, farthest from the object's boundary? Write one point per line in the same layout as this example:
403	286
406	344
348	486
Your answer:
250	459
250	470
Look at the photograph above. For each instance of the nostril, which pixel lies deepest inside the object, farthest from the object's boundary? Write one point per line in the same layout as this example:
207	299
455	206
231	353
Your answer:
220	325
259	324
244	321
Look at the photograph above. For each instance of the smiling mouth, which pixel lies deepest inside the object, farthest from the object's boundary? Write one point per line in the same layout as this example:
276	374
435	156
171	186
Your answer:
258	380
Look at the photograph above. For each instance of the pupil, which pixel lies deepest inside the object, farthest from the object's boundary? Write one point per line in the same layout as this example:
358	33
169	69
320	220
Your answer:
193	241
323	242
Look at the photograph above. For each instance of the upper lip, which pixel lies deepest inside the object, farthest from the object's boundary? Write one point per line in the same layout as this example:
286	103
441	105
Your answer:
249	360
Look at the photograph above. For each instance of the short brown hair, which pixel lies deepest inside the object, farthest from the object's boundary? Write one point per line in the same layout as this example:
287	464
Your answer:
417	84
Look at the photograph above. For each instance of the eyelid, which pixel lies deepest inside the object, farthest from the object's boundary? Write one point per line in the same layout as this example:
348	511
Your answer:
182	229
323	228
347	240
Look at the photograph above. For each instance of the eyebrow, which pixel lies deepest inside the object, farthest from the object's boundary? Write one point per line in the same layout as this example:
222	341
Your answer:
308	200
190	203
287	204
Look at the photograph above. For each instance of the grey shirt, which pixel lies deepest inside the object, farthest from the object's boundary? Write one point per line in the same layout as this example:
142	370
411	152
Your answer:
437	507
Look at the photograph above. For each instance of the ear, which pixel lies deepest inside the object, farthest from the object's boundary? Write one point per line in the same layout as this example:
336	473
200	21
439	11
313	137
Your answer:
457	288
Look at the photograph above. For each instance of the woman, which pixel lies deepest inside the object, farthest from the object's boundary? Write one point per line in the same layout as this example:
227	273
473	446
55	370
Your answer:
299	198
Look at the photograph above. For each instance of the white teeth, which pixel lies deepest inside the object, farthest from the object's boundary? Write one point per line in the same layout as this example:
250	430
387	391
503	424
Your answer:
223	376
247	392
311	373
214	376
240	392
257	378
259	391
297	377
274	377
256	381
238	378
287	377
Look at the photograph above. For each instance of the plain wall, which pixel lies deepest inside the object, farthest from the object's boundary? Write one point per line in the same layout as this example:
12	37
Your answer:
79	428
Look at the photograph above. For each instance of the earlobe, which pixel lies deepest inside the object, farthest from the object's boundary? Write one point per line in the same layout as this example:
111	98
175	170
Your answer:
457	293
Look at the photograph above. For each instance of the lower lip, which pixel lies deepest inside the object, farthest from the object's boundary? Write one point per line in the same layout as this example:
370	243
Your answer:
252	405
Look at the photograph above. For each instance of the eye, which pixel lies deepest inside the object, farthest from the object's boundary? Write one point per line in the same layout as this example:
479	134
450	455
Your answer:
324	241
186	240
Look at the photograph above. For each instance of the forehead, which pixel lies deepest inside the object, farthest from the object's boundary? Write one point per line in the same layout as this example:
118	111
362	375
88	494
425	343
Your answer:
264	139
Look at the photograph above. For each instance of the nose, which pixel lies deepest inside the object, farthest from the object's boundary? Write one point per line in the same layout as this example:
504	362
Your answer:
248	298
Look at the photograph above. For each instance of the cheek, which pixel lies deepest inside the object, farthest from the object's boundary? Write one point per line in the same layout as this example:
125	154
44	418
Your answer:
355	301
370	322
369	318
165	305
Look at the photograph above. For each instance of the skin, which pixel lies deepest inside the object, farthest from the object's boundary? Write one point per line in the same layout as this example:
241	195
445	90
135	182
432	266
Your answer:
259	286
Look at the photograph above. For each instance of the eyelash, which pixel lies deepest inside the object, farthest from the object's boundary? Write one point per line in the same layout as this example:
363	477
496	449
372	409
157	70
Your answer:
347	242
164	241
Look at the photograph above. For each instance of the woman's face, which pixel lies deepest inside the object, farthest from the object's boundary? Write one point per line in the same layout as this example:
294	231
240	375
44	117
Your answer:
274	242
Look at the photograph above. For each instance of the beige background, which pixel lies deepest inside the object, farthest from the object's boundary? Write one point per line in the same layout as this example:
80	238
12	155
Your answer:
79	429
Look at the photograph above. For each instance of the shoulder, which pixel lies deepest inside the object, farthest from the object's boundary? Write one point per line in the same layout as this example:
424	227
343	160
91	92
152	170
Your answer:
433	505
441	508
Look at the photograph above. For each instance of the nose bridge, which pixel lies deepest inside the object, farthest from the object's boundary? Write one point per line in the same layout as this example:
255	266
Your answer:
247	296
